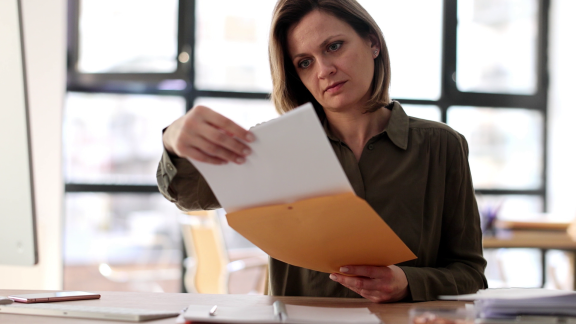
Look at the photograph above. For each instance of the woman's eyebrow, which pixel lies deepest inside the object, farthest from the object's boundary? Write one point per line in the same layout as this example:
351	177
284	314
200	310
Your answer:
325	42
322	45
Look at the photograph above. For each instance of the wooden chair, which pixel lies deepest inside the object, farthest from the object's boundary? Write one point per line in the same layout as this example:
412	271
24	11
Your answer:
208	266
572	230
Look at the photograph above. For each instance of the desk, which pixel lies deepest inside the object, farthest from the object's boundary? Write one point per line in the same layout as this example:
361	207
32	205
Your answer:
539	239
388	313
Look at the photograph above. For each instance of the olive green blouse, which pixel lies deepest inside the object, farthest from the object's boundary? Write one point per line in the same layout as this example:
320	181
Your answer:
415	175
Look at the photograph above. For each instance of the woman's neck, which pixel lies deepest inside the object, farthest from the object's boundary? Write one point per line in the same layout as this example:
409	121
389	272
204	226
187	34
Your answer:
355	128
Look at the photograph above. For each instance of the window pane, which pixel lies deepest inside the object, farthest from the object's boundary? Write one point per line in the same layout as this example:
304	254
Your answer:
116	139
128	36
497	46
244	112
511	267
125	232
424	112
232	45
505	145
413	33
511	207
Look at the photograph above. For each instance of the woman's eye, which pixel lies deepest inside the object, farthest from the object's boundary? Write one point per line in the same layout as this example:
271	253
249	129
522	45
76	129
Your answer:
304	64
334	47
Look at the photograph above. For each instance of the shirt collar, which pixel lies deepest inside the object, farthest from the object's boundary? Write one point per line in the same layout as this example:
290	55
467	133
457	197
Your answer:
397	128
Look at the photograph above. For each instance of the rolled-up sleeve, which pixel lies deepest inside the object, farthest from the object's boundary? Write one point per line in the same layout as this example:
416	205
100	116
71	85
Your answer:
181	183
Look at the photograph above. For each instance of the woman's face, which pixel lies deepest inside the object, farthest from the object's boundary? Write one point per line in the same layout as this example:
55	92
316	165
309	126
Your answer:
335	64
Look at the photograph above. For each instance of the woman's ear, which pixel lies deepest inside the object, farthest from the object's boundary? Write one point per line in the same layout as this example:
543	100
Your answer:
374	45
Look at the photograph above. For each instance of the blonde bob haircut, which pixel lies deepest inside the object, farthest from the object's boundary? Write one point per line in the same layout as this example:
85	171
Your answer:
288	90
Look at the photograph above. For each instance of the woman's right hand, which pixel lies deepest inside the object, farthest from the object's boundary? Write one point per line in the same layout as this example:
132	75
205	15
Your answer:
204	135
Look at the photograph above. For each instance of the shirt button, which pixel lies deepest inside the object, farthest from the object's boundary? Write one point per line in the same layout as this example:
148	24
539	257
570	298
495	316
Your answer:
169	167
371	146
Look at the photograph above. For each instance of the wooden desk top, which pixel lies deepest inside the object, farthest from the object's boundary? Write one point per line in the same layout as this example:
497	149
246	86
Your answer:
530	239
388	313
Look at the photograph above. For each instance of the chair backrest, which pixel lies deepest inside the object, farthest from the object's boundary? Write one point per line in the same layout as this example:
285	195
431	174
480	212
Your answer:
572	230
204	245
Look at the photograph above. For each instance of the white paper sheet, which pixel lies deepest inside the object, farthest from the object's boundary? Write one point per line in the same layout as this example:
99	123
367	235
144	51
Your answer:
509	293
257	314
312	314
512	302
291	160
265	314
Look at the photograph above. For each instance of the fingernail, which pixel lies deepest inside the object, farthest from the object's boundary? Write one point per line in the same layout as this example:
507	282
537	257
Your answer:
240	160
250	137
246	151
333	277
343	269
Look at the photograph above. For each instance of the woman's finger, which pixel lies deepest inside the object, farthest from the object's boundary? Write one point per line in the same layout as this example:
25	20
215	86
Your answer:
196	154
225	124
212	149
368	271
356	282
218	137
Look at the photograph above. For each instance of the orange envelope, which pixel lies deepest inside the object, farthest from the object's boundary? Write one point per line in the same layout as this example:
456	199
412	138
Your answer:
322	233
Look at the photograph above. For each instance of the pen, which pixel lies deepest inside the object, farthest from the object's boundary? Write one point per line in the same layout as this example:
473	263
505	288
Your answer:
280	311
213	310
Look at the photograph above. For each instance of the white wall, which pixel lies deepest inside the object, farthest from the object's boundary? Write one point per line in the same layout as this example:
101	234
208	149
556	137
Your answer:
562	111
45	46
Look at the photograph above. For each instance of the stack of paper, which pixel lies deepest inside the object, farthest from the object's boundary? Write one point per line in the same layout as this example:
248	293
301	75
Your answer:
514	302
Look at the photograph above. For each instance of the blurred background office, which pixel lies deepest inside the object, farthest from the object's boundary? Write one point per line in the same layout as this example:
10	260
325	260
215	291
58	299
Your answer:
498	71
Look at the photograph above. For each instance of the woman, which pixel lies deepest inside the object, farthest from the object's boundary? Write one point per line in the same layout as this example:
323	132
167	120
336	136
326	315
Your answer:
413	172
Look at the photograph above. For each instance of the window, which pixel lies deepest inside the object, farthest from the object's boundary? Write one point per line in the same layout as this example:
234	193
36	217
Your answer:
496	46
504	144
131	41
478	65
115	138
413	33
232	45
127	80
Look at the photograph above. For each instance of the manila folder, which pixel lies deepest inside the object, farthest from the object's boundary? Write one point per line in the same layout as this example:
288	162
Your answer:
322	233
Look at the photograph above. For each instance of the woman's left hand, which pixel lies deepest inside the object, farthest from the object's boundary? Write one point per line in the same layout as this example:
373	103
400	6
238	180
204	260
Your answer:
378	284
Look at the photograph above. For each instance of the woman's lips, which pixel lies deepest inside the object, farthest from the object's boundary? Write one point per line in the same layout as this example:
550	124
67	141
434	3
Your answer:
335	87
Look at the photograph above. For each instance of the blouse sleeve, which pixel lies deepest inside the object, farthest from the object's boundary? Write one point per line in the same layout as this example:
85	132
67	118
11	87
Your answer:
460	264
181	183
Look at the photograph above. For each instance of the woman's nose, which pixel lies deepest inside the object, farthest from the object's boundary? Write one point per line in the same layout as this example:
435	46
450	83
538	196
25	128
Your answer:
326	68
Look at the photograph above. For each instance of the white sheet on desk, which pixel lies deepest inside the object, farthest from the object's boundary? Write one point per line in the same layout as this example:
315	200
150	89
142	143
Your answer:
296	314
509	293
564	305
309	314
291	160
227	314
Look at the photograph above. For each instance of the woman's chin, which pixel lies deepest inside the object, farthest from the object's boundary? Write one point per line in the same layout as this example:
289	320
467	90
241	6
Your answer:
340	106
